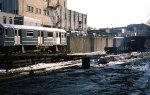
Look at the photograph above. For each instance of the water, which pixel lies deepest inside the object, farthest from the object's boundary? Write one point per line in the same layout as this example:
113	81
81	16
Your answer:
124	79
93	61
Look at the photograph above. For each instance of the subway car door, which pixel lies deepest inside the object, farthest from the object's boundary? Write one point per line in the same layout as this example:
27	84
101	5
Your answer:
17	37
40	38
60	36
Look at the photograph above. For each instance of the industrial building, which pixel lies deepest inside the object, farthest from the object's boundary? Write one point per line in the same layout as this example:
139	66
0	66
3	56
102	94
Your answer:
129	30
48	13
138	29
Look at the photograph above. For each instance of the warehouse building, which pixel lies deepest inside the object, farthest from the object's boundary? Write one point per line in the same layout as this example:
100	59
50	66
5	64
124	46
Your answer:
48	13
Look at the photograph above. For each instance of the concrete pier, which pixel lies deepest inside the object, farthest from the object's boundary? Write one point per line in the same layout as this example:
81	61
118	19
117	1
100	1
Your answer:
84	44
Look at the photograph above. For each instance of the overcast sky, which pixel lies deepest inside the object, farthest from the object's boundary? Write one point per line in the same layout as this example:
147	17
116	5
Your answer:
112	13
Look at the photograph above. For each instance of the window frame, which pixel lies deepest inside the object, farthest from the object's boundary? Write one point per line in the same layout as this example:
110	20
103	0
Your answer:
29	33
37	10
30	8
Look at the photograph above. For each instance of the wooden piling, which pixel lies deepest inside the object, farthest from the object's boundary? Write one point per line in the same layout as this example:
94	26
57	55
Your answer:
85	62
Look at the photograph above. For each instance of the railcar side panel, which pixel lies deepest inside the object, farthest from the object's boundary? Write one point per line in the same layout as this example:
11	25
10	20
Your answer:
31	38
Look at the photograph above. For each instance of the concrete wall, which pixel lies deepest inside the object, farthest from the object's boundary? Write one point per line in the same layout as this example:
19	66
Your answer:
77	44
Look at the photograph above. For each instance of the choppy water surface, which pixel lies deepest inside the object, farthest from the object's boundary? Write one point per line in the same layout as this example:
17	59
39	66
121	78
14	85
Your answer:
124	79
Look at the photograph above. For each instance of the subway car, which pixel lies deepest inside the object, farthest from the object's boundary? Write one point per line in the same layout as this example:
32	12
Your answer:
26	39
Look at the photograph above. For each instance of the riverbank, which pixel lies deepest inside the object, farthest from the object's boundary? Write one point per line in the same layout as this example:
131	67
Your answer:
37	69
125	76
41	68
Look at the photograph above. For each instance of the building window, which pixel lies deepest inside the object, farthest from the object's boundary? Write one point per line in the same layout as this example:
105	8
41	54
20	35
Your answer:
64	4
15	11
4	19
10	20
37	10
50	34
80	22
45	12
30	9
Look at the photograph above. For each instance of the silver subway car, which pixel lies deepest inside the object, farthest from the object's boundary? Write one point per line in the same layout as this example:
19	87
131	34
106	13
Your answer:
22	38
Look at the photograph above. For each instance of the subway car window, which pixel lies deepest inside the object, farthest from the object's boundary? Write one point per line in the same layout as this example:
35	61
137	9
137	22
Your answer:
57	35
42	33
30	33
6	31
39	34
49	34
20	32
60	35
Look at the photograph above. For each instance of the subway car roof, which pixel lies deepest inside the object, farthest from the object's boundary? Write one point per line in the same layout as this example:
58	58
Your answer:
31	27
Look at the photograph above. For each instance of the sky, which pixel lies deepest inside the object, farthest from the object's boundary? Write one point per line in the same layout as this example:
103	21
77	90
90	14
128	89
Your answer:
112	13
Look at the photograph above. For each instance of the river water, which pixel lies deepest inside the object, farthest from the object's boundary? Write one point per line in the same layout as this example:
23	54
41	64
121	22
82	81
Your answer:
130	78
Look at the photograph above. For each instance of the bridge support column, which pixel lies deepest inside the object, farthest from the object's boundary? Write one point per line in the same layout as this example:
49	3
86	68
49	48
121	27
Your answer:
86	63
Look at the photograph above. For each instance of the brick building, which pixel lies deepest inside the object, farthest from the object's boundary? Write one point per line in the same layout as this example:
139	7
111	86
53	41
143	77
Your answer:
50	13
